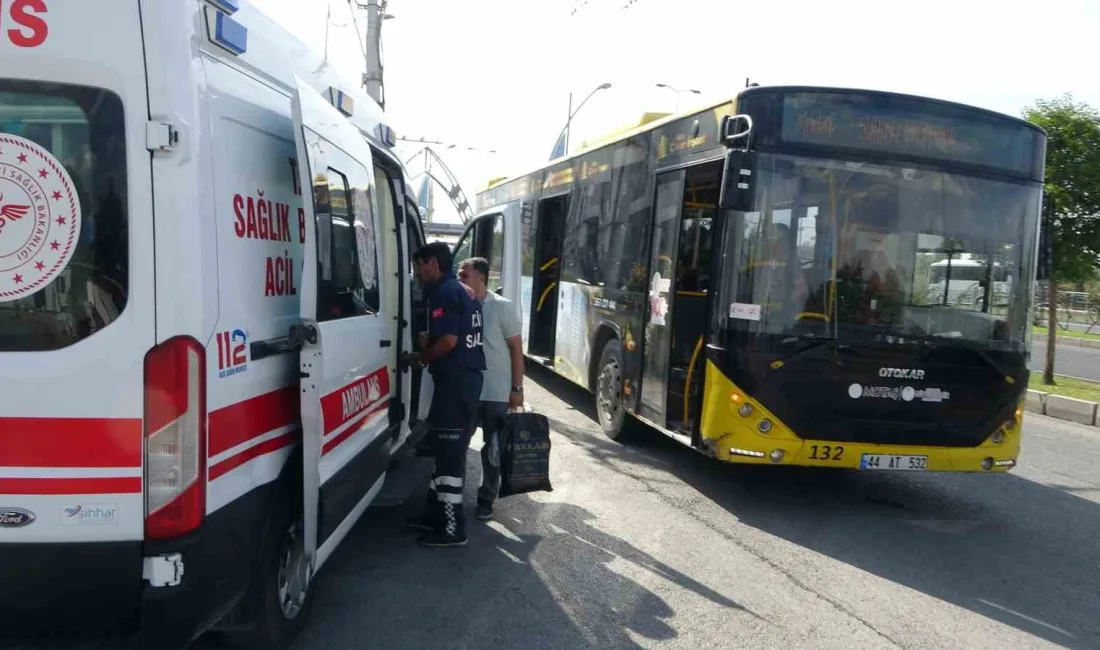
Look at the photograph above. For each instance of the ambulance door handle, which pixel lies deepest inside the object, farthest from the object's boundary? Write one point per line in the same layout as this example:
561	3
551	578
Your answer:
384	343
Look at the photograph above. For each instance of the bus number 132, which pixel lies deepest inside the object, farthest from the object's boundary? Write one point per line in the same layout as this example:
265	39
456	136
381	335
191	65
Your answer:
826	452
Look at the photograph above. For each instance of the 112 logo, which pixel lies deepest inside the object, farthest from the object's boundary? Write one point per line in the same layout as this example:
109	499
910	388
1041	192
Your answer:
232	353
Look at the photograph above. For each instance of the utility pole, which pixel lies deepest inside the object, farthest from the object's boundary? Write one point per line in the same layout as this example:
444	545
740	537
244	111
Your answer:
372	78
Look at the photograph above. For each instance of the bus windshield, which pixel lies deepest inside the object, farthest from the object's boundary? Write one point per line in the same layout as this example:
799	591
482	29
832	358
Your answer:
858	251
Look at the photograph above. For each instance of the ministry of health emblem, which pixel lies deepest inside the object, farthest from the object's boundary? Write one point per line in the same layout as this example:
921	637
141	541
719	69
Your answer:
39	218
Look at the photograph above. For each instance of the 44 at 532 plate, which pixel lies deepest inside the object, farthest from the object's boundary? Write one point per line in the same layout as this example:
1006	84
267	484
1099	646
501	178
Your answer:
894	462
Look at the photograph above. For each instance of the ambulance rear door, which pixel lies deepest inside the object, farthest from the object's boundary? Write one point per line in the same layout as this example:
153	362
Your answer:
77	313
346	359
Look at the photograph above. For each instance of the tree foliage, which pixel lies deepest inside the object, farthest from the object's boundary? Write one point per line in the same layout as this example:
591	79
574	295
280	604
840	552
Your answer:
1073	189
1072	183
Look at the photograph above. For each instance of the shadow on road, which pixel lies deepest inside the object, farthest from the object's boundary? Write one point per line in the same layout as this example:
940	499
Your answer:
539	576
1010	549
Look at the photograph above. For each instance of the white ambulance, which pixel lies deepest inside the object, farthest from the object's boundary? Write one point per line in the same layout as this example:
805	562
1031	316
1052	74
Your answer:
199	382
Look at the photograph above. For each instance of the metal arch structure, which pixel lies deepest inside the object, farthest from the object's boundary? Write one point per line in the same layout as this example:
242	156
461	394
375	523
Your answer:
449	184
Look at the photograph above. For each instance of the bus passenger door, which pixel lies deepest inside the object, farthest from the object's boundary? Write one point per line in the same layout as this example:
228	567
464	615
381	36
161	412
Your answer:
549	232
347	352
662	269
679	296
691	317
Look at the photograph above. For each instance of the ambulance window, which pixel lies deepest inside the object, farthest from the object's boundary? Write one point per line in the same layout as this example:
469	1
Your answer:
82	130
345	241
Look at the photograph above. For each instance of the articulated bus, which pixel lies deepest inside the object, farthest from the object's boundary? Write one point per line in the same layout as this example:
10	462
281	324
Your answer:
756	279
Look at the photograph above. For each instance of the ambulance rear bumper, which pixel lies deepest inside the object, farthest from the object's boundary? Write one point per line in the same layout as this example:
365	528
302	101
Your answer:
83	589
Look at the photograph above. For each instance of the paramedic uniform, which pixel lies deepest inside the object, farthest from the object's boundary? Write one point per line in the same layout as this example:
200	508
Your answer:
453	310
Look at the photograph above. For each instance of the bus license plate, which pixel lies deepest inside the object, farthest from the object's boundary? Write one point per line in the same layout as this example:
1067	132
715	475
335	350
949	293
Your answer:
891	462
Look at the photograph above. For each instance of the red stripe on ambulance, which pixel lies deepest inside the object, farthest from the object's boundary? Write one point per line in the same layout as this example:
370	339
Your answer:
348	403
252	453
336	440
244	422
239	423
66	486
70	442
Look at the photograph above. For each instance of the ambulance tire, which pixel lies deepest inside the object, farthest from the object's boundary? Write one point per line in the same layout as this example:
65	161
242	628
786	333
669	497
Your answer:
272	628
615	422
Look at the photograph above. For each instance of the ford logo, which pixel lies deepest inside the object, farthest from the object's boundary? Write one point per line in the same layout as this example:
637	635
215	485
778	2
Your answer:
15	517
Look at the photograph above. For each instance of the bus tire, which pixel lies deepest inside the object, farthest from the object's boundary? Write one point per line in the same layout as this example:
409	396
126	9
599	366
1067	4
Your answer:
609	392
278	601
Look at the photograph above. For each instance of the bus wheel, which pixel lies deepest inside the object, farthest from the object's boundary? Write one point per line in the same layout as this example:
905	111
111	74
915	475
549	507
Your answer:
283	593
609	392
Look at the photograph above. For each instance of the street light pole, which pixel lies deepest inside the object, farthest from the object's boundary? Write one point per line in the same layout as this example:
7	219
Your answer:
679	92
372	48
567	121
573	113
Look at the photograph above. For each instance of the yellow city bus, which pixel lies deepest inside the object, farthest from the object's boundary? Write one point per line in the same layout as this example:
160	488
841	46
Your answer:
752	279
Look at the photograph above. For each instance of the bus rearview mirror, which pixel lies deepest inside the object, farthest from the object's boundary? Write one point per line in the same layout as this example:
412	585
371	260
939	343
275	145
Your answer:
737	181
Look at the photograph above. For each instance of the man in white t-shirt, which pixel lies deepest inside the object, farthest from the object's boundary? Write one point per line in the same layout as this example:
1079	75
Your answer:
503	385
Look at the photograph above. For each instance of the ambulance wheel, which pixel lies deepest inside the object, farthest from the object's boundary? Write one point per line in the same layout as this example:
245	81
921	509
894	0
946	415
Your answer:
609	393
283	593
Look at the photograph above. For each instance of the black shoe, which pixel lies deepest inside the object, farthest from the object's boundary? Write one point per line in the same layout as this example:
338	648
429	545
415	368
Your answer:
420	523
435	539
484	511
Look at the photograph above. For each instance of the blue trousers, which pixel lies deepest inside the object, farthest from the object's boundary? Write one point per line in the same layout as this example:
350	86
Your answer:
453	416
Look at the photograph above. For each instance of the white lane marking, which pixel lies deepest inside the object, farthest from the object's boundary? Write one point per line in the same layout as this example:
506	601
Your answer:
1027	618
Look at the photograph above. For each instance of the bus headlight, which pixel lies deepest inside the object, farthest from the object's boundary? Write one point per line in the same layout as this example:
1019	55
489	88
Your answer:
765	425
776	455
987	464
998	436
745	410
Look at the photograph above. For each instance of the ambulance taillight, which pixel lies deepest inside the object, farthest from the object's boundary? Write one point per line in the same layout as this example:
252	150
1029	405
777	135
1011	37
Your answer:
175	438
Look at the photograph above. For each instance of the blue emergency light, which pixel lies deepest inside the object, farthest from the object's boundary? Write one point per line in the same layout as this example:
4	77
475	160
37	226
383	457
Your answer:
387	136
342	101
228	6
225	32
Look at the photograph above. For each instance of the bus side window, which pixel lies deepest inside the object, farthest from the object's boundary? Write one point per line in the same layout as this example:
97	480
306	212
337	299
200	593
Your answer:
465	248
496	254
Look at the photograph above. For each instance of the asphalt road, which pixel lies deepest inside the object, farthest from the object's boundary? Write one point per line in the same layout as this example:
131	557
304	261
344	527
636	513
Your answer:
654	545
1068	360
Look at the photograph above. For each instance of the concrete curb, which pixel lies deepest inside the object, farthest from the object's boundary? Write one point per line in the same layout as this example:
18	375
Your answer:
1062	408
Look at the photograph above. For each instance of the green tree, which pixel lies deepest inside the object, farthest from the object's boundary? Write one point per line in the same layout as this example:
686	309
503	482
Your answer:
1073	190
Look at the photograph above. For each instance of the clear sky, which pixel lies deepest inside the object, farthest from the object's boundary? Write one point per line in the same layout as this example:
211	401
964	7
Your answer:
496	74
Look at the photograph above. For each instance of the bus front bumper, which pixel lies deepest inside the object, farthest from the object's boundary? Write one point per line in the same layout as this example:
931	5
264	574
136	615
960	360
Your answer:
869	457
737	429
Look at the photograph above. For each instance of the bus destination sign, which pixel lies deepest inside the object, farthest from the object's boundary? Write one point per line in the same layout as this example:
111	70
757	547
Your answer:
870	123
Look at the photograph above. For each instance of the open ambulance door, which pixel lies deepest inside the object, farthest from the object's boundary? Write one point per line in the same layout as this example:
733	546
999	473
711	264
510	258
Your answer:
422	386
346	358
